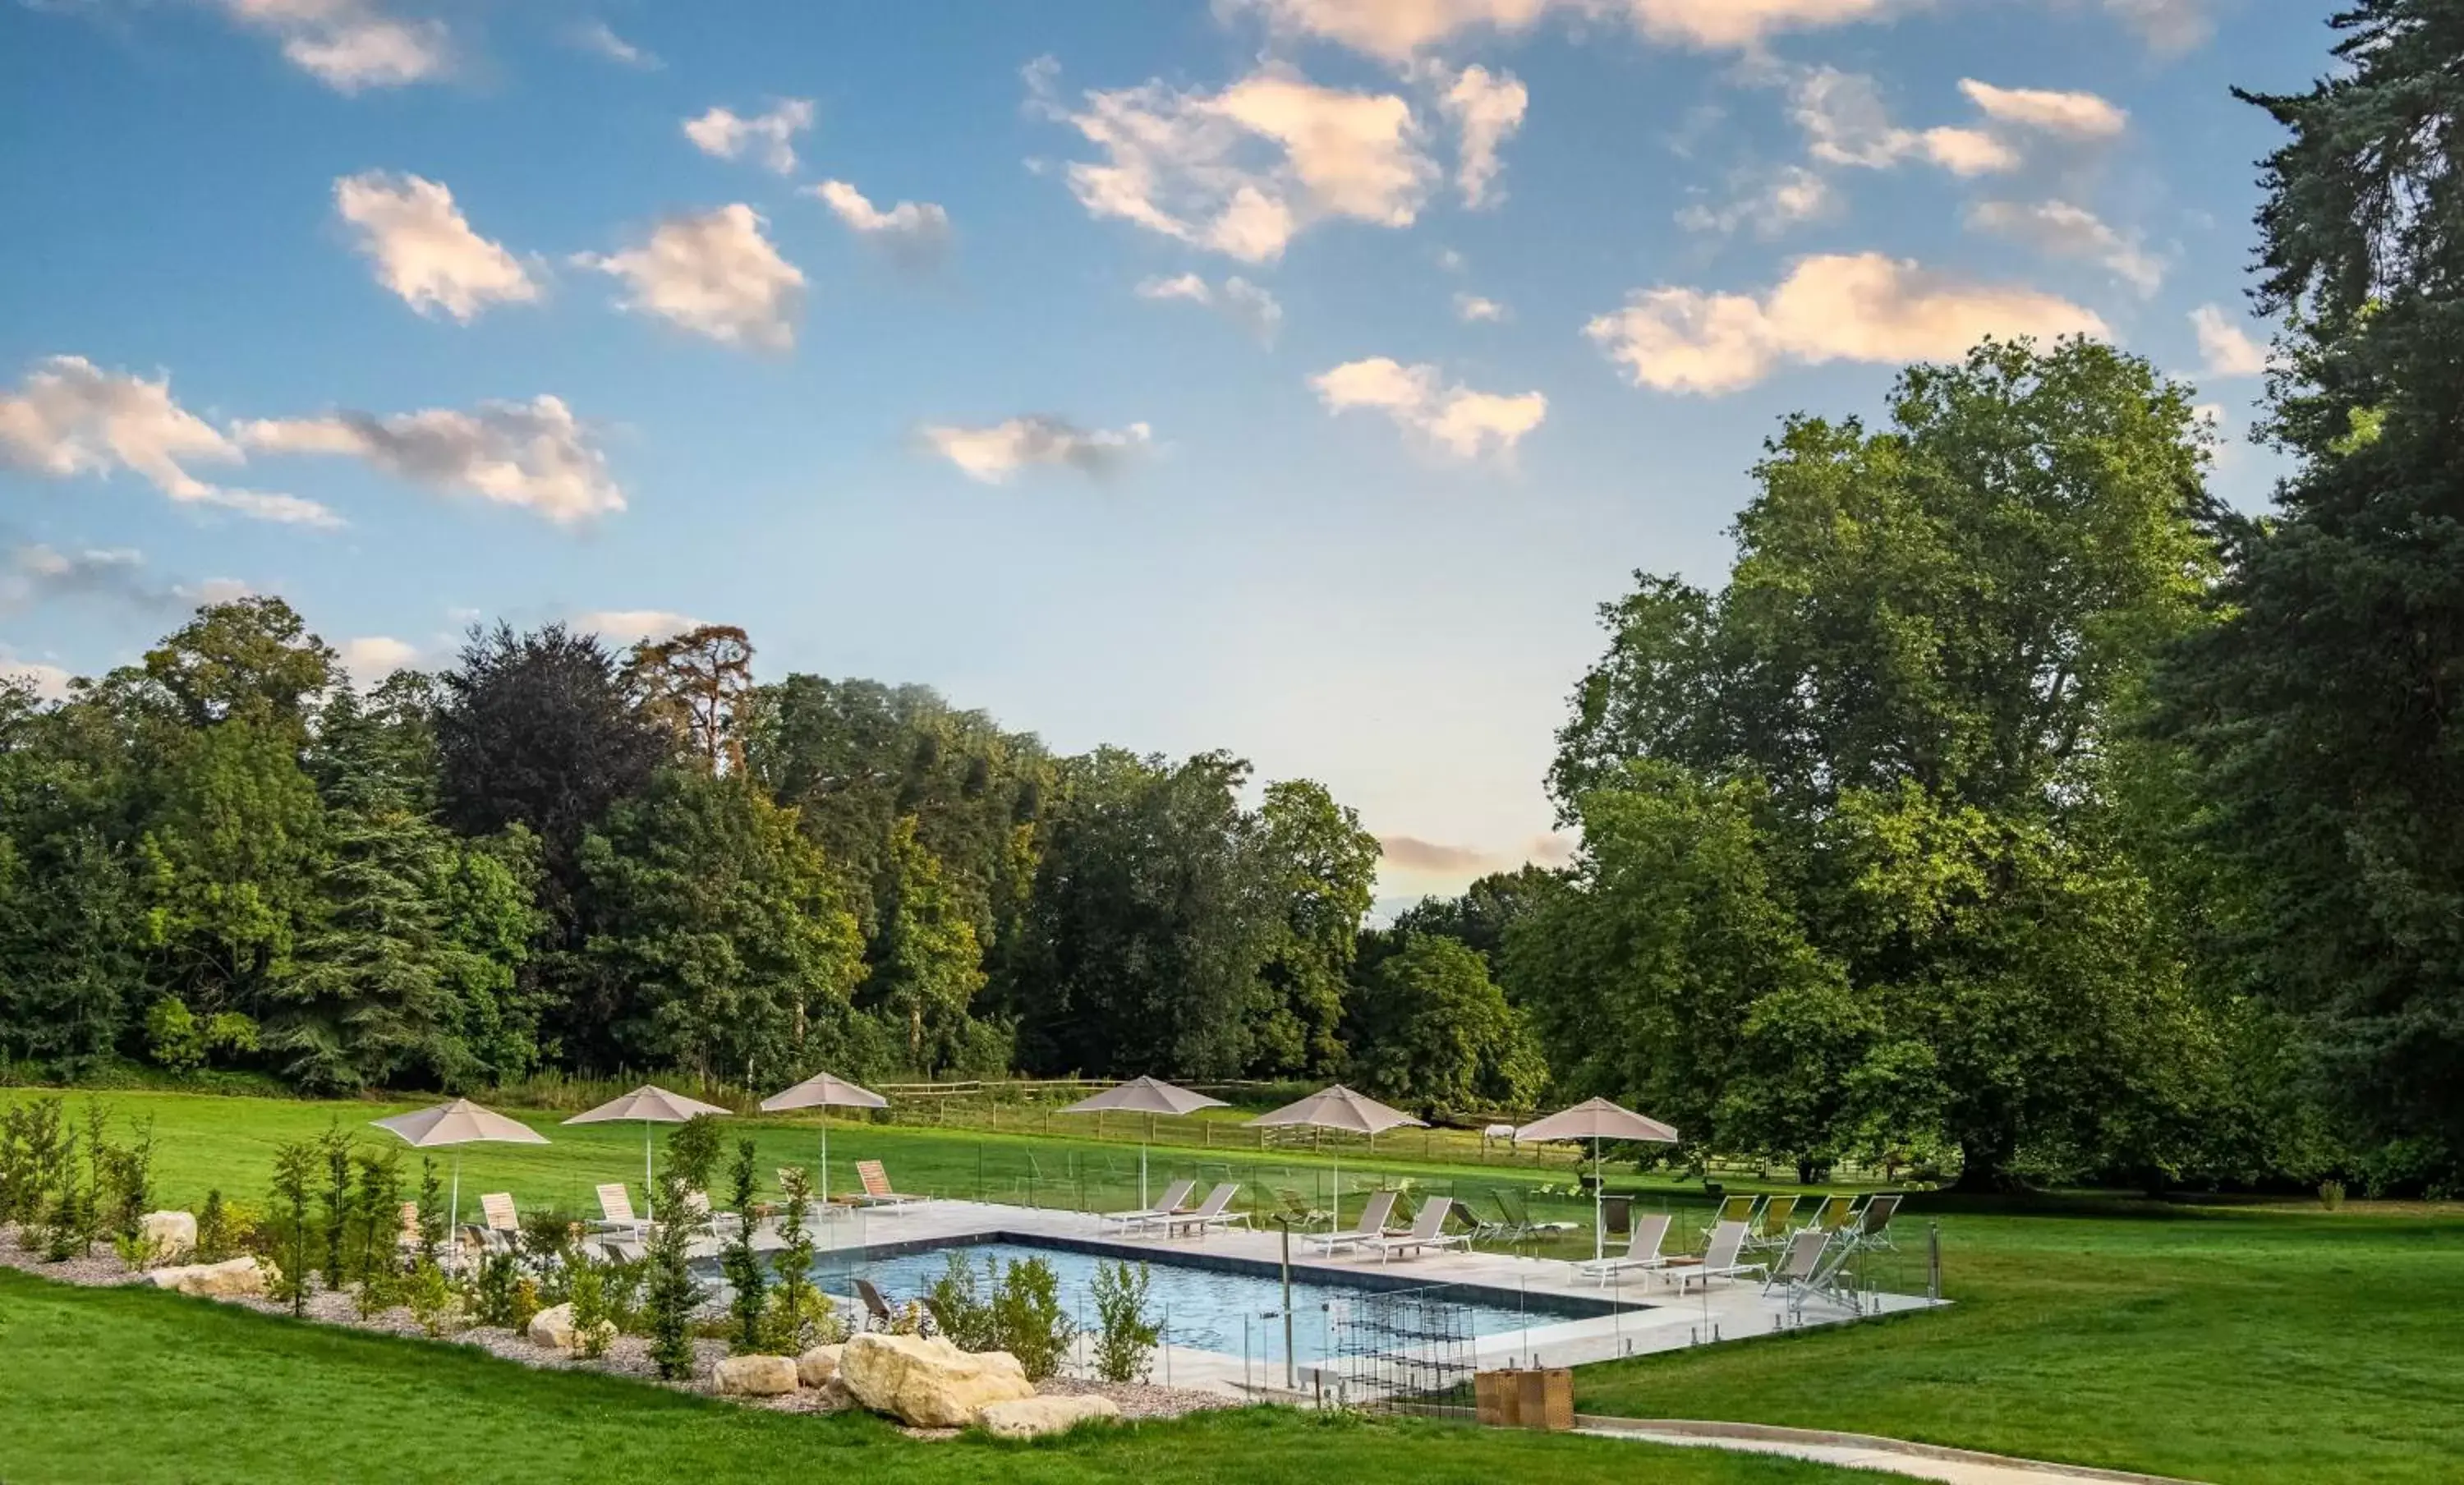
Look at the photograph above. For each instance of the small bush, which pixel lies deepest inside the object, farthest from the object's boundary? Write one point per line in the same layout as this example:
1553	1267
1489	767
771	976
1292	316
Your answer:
214	1242
1028	1319
746	1278
669	1293
693	1153
2331	1194
592	1320
495	1295
291	1233
431	1299
1125	1335
959	1304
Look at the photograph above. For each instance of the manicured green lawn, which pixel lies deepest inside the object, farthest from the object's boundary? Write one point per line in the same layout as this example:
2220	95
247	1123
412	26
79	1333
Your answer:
2243	1348
129	1386
2227	1345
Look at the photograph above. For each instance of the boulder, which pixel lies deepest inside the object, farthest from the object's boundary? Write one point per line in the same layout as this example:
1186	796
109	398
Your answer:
239	1278
170	1235
817	1367
929	1383
554	1327
1033	1417
756	1375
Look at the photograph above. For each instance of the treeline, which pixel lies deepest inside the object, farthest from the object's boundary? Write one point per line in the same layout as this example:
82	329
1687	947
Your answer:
549	856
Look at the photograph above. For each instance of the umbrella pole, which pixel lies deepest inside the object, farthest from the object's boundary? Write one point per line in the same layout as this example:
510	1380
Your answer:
825	1156
453	1226
649	1192
1599	1232
1142	1176
1336	1222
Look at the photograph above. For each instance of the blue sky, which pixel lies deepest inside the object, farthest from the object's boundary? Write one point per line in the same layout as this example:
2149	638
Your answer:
1288	376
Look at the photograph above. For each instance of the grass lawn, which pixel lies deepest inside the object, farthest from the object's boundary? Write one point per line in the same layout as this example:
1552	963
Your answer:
2240	1347
2234	1346
129	1386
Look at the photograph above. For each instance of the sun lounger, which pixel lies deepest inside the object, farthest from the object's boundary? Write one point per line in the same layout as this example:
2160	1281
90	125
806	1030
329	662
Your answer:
1872	1228
1835	1214
1372	1223
1500	1229
1802	1274
616	1213
1213	1212
1519	1211
1294	1209
1641	1251
1719	1260
877	1313
877	1190
1427	1231
1735	1208
1772	1230
412	1241
725	1226
503	1230
1175	1199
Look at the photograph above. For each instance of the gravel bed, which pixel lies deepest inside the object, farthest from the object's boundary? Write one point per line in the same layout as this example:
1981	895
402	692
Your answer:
627	1356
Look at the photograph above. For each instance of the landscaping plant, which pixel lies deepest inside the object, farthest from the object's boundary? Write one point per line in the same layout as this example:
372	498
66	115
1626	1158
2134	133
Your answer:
801	1316
693	1152
431	1299
745	1274
592	1320
289	1230
1028	1320
334	1204
669	1293
375	1224
214	1230
958	1305
1125	1334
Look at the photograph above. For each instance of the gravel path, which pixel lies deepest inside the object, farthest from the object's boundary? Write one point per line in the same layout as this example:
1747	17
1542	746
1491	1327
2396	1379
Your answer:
628	1356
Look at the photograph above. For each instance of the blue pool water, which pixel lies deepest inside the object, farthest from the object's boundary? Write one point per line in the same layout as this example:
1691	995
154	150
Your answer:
1205	1307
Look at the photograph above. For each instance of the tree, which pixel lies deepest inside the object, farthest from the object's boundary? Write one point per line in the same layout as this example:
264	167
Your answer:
699	684
1323	866
1894	733
251	659
927	969
2324	707
1431	1029
715	934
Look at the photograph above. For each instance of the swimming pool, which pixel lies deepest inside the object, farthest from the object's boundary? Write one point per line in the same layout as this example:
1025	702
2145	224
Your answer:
1211	1303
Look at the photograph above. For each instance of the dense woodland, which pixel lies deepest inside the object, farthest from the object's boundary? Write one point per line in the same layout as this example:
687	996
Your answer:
2014	807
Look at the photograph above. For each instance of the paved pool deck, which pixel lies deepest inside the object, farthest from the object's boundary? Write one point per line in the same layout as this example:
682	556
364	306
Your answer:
1644	1315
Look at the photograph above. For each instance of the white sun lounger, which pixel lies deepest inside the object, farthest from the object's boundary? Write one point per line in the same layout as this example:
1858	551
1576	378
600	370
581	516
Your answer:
1371	1224
1213	1212
616	1212
1641	1251
1175	1198
1428	1231
1719	1260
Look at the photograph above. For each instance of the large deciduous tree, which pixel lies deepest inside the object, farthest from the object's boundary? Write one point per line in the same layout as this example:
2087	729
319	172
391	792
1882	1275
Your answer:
2326	707
1434	1031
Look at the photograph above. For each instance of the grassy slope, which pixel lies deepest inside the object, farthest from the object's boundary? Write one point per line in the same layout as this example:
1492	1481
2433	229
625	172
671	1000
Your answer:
126	1386
2233	1346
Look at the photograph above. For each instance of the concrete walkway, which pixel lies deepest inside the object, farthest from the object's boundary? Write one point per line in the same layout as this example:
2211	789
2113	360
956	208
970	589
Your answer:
1858	1452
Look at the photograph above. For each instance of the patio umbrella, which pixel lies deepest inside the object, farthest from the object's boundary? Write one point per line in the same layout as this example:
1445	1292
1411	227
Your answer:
1337	1108
824	1092
1149	1096
457	1123
1596	1119
648	1104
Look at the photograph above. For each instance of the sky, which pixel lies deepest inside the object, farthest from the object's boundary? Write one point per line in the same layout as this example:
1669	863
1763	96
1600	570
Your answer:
1292	377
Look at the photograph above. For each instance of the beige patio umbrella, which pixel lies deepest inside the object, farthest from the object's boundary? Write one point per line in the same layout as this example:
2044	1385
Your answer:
1596	1119
824	1091
1337	1108
1150	1097
648	1104
457	1124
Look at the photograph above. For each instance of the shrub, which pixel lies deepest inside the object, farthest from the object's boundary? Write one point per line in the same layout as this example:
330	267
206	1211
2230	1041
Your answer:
2331	1194
959	1304
289	1232
592	1321
745	1275
214	1242
435	1211
495	1295
431	1299
669	1293
693	1152
1028	1320
547	1243
334	1204
801	1316
374	1223
172	1036
1125	1335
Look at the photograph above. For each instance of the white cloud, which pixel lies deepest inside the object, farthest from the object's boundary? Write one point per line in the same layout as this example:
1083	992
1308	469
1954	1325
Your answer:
1770	206
633	625
1487	109
715	275
1398	29
2061	230
1473	309
212	590
48	682
424	249
1246	305
914	233
596	36
39	574
70	418
1845	122
2229	350
2165	25
1454	419
730	135
372	657
531	455
2077	116
350	44
1241	171
991	453
1864	307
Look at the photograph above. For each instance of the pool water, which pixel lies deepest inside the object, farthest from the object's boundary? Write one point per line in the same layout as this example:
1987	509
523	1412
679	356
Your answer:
1203	1307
